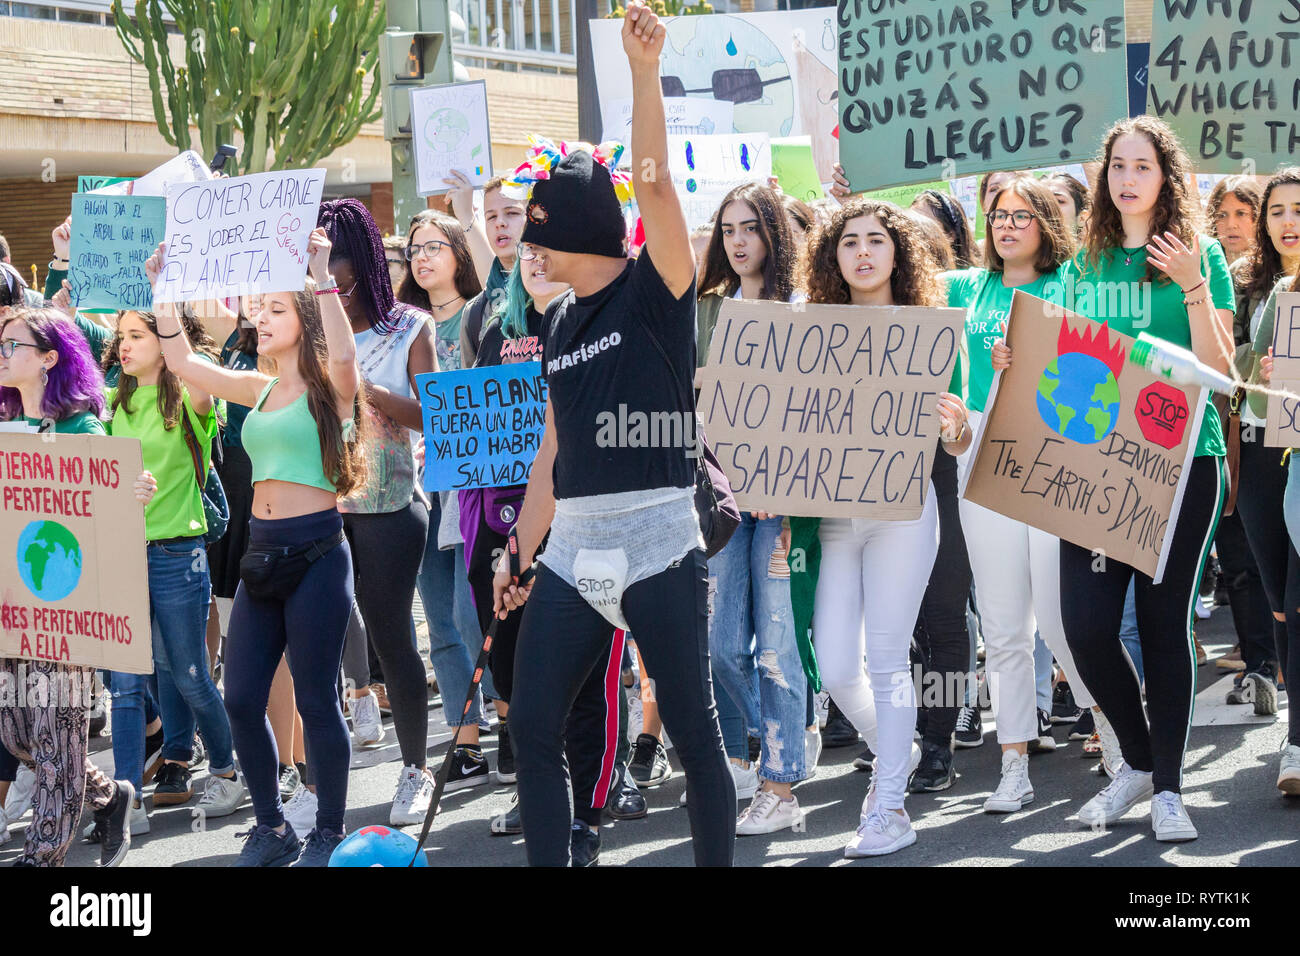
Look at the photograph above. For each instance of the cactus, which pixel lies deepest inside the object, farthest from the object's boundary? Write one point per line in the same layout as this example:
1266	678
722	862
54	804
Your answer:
289	75
665	8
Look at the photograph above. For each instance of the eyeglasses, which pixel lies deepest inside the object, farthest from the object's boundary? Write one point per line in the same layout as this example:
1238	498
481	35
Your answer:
430	248
1020	219
732	86
525	252
8	345
346	297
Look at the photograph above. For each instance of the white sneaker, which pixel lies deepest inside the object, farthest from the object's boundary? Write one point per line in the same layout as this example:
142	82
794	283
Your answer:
1014	789
139	820
746	780
1169	818
882	832
1112	757
812	751
768	813
19	800
822	707
411	802
1202	612
300	811
1288	774
1129	788
221	797
367	724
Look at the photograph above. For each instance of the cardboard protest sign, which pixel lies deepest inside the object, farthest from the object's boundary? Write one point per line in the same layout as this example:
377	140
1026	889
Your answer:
73	577
777	69
683	115
87	183
959	87
112	236
794	169
1222	76
706	168
482	426
450	130
1080	443
231	237
827	410
1283	429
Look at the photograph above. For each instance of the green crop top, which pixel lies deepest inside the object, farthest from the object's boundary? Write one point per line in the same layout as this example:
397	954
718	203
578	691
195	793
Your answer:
284	444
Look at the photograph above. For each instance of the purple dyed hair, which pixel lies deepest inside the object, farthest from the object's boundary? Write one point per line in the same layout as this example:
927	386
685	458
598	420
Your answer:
357	240
75	382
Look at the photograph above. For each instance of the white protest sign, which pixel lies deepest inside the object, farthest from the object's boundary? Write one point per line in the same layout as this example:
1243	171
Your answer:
231	237
450	130
684	115
706	168
188	167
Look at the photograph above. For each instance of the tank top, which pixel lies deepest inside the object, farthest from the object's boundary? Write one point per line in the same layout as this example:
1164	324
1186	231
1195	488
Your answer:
284	445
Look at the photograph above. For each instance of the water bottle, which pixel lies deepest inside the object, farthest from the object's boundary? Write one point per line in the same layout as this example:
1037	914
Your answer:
1177	364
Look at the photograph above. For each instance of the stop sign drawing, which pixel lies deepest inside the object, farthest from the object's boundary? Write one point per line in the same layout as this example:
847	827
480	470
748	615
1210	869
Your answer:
1162	414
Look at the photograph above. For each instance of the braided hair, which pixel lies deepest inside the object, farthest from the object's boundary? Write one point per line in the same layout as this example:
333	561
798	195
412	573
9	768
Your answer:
357	240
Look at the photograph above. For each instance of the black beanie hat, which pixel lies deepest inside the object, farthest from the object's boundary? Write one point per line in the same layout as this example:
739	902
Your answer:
576	210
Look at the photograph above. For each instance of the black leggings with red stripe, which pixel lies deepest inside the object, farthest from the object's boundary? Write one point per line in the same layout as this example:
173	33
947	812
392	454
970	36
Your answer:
1092	605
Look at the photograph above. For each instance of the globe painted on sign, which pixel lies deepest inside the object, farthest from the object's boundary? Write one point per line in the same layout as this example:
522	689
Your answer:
49	560
445	130
1078	398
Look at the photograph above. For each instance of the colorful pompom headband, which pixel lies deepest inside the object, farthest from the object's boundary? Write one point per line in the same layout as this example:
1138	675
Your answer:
544	156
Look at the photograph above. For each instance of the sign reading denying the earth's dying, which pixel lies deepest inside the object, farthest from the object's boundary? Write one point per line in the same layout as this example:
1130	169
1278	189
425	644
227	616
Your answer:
73	578
1081	443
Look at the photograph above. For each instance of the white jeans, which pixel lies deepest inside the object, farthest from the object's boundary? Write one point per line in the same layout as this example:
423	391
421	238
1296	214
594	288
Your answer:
1017	581
872	578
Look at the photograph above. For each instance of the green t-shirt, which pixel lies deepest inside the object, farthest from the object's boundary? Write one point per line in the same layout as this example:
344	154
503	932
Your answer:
447	342
82	423
1121	295
987	303
176	510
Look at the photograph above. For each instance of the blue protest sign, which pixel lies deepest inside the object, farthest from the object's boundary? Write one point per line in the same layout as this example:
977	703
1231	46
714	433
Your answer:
482	426
112	236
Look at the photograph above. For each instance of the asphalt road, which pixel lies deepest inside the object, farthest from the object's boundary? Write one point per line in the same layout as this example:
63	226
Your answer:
1229	789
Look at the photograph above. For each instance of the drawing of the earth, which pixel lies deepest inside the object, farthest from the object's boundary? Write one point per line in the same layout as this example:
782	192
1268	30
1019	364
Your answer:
445	130
696	46
1078	398
49	560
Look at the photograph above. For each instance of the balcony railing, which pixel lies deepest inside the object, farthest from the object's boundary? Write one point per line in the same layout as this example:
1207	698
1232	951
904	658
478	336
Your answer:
518	34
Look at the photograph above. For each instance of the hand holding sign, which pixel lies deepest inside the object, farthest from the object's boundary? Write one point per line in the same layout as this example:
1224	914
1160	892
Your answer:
318	256
62	236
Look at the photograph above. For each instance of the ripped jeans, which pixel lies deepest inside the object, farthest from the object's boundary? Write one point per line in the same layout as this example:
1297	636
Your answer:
751	626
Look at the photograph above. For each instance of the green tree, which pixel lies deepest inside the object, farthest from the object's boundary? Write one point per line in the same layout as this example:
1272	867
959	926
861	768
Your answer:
287	74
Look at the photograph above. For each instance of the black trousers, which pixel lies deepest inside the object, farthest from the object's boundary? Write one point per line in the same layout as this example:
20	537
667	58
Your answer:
562	639
941	633
1092	606
1252	617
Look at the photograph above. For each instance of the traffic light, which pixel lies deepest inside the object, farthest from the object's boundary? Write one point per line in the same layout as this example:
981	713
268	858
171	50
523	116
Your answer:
406	60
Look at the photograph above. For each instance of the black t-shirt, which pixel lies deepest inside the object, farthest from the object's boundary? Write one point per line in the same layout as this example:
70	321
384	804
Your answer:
609	387
495	349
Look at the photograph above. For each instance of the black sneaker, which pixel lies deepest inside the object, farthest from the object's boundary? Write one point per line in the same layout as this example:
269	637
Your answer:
505	755
970	729
153	758
1044	742
316	849
934	772
839	731
584	844
649	765
865	761
507	823
1084	727
469	768
198	754
174	786
265	847
113	825
1064	709
625	801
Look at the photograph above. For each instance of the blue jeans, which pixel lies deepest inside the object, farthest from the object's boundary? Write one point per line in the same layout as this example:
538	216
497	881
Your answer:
751	627
454	639
179	592
1291	505
1042	673
1128	632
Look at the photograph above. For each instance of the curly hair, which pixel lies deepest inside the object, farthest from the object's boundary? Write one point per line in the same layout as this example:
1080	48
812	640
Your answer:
357	241
915	279
1265	265
169	384
773	232
1055	246
1177	208
466	279
74	384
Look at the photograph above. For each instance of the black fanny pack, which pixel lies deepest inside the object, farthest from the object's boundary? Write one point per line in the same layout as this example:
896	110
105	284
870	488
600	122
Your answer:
275	573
